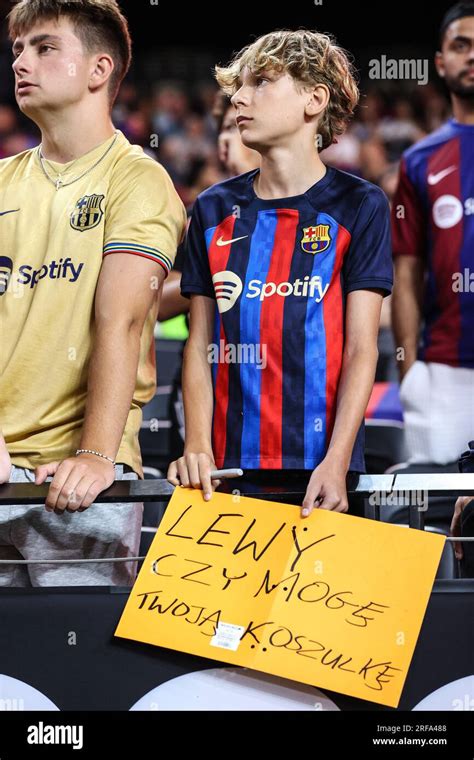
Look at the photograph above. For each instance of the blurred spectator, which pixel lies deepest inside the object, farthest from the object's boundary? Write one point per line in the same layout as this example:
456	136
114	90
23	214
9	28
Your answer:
170	109
8	121
233	154
434	106
399	130
14	138
345	154
388	181
368	115
175	123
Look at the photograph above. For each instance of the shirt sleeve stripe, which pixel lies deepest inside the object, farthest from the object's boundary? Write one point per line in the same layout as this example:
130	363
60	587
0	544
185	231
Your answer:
137	249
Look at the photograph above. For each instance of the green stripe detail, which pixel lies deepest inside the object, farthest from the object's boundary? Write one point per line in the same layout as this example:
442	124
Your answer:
138	248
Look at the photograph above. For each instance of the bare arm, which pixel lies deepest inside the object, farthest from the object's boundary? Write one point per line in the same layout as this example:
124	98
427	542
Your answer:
406	308
355	386
127	289
5	463
386	315
197	377
193	469
172	302
358	370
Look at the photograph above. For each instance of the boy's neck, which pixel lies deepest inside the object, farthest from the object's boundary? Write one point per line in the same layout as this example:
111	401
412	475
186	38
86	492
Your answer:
68	136
285	174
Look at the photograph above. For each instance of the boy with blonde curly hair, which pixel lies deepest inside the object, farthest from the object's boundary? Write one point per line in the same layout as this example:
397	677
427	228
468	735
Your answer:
297	256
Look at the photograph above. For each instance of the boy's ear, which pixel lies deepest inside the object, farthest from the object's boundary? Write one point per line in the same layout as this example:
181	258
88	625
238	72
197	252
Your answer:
318	100
103	68
439	63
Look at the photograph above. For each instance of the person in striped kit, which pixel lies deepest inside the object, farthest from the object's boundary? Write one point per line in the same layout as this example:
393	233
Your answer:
433	241
297	257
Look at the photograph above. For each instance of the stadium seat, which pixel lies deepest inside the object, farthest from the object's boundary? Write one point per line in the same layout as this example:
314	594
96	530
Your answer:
384	445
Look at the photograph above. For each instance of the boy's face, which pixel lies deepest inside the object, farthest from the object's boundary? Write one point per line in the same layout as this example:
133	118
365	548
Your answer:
51	68
270	110
456	61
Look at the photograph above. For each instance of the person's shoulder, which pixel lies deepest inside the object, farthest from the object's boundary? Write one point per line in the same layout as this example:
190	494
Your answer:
424	147
17	162
235	190
354	190
133	162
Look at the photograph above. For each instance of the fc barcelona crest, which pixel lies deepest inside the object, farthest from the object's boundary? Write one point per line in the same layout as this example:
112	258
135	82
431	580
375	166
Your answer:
87	213
316	239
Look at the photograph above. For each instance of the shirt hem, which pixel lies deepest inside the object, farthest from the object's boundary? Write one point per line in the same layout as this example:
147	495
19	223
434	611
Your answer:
196	290
386	285
285	464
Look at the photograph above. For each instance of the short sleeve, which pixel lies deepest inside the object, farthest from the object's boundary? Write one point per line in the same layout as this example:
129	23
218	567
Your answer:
196	278
179	260
368	262
181	252
144	214
408	218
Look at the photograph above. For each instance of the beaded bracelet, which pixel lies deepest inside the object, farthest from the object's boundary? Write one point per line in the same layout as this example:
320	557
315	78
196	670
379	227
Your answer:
97	454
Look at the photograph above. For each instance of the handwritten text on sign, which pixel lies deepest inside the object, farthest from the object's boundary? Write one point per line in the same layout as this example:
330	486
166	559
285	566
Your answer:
334	601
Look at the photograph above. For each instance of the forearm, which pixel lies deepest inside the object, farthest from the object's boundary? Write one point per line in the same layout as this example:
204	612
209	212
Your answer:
3	446
172	303
112	379
5	463
406	320
355	388
198	399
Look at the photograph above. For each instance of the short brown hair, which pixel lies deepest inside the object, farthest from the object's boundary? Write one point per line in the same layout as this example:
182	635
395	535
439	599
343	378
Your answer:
99	24
311	58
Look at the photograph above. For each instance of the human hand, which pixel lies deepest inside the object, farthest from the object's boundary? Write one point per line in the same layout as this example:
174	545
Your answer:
326	489
193	470
459	507
77	482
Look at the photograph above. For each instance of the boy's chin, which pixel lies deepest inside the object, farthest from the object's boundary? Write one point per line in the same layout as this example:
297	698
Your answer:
27	107
251	142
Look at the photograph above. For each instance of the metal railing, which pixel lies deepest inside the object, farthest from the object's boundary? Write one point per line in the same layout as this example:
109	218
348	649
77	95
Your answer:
383	486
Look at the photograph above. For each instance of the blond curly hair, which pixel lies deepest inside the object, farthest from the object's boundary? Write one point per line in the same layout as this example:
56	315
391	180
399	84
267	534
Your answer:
311	58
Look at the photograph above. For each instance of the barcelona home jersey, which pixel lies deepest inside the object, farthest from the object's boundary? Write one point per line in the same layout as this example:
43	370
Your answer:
280	272
433	220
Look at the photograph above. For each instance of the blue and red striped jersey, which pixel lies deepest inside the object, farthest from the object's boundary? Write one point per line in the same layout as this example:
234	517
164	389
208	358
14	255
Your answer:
280	271
433	219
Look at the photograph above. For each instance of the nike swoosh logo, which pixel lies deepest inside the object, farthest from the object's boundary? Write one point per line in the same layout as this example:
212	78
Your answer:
221	243
433	179
4	213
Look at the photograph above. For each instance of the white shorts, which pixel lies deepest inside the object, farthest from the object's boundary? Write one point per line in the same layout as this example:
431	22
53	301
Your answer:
438	405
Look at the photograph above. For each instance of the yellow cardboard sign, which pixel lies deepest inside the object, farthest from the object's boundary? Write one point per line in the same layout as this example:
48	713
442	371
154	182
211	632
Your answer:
334	601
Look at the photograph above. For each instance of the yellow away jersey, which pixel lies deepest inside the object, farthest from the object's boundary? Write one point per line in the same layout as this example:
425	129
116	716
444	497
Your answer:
52	243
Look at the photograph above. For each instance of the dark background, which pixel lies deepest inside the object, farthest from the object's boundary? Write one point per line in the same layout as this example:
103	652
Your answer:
185	39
